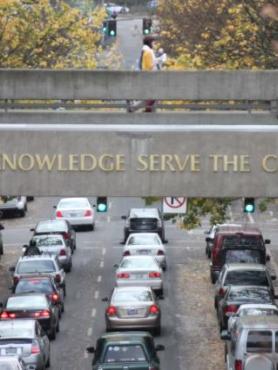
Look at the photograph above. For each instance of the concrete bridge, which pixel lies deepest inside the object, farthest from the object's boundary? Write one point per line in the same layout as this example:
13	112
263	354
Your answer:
227	150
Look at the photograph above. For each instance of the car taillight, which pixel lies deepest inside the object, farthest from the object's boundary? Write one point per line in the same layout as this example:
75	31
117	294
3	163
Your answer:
154	275
7	315
238	365
45	313
55	297
16	280
58	278
231	308
122	275
66	236
154	309
35	349
222	292
88	213
59	214
126	253
111	311
62	252
160	253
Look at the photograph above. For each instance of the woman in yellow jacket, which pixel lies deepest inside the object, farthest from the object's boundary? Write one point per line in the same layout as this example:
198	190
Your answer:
148	63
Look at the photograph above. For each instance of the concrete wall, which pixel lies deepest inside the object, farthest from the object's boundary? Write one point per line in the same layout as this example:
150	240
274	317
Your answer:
85	84
246	158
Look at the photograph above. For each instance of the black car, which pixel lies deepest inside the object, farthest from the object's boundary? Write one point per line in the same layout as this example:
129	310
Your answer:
126	350
236	296
141	220
33	305
42	284
61	227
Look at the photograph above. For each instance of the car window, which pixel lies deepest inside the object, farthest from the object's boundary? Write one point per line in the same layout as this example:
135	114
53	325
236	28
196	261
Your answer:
259	341
16	331
27	302
242	255
242	241
132	296
124	353
73	203
144	213
138	263
258	312
43	286
250	295
25	267
237	277
144	240
51	226
47	241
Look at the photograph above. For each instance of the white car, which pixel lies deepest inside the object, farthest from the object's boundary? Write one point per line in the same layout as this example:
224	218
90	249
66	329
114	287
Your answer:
116	9
12	363
146	244
140	271
77	211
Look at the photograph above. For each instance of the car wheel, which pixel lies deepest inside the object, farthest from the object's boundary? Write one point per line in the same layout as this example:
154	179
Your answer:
58	327
1	250
92	227
63	308
60	312
68	268
48	363
21	212
52	335
157	330
65	291
215	303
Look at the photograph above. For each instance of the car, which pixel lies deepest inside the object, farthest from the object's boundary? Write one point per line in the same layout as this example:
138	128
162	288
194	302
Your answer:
77	211
12	363
45	285
242	274
211	234
252	310
228	240
33	305
46	265
55	245
252	336
112	9
60	227
1	240
26	338
133	308
142	220
146	244
13	205
140	271
238	295
126	350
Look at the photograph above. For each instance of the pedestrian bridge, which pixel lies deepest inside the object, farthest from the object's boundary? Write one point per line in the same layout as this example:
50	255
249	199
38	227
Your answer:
67	133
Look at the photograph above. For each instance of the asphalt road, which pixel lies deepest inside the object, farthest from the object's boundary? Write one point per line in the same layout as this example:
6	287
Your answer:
189	328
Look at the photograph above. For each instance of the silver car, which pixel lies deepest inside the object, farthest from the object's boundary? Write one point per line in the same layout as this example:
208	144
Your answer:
25	338
140	271
12	363
133	308
146	244
252	335
57	246
77	211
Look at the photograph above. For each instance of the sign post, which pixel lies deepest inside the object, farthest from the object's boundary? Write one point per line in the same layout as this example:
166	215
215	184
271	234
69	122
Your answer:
175	205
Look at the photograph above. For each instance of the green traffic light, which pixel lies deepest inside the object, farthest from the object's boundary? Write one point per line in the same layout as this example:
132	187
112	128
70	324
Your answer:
112	33
249	208
102	207
104	29
146	31
249	205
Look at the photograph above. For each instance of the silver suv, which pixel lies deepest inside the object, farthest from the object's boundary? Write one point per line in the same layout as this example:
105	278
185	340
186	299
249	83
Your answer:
252	335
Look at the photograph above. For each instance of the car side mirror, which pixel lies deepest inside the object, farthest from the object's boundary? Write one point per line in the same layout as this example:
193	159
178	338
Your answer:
165	241
1	305
208	239
267	241
206	232
54	207
105	299
116	266
267	258
124	217
1	227
12	269
90	349
275	296
32	229
225	335
273	277
159	347
160	296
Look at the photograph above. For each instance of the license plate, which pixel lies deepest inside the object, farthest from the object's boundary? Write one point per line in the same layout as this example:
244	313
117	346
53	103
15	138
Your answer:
132	311
11	351
73	214
144	251
139	276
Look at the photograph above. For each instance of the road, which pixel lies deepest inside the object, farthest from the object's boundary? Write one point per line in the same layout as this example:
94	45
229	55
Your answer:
189	328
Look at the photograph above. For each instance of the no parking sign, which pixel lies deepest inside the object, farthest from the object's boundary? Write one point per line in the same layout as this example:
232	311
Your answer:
174	205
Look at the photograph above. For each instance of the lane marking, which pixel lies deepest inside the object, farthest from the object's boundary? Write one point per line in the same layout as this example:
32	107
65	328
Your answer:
99	278
103	251
86	355
101	265
94	311
96	295
90	332
110	205
108	219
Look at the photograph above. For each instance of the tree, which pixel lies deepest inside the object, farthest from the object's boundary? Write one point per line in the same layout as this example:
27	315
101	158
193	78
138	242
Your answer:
219	33
41	34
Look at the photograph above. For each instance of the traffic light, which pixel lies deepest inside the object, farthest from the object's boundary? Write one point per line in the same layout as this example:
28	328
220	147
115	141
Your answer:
105	27
102	204
147	26
249	205
112	27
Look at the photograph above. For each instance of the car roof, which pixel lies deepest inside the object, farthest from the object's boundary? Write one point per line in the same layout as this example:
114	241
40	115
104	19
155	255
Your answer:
138	257
257	306
126	336
44	256
258	322
242	230
142	234
16	325
245	266
143	212
26	294
40	236
59	222
36	277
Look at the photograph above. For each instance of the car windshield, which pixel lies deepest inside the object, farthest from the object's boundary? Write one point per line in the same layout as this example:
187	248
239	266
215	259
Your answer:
6	199
242	241
6	365
27	302
73	203
47	241
144	240
244	277
256	295
51	226
242	256
258	312
30	267
259	341
40	285
132	296
144	213
124	353
15	330
138	263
